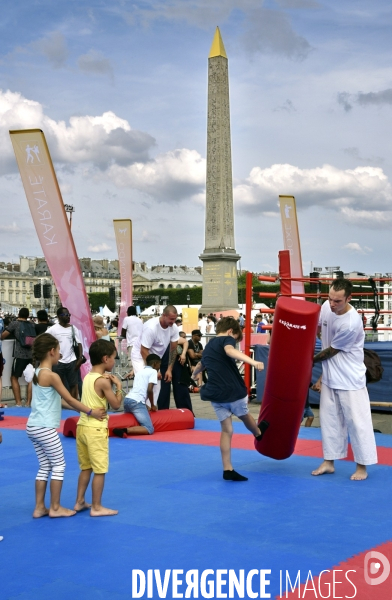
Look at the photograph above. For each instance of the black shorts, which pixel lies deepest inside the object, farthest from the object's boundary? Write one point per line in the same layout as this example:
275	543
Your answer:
68	374
1	365
19	365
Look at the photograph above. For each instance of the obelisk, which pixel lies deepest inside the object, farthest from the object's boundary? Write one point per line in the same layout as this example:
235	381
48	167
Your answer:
220	289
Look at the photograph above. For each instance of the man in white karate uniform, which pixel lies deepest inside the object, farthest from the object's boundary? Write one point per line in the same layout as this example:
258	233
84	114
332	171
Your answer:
344	401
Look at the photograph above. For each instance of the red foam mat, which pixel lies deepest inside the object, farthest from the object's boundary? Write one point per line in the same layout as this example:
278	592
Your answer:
18	423
163	420
244	441
241	441
352	578
13	422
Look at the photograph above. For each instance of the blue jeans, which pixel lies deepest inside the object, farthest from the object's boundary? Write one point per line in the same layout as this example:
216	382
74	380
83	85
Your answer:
140	412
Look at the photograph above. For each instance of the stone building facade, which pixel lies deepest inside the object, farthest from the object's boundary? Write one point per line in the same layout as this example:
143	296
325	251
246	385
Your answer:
17	280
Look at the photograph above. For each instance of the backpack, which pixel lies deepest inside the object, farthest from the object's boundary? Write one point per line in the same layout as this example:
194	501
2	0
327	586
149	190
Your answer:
25	334
374	369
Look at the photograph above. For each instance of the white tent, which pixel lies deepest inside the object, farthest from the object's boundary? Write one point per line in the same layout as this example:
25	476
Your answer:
151	309
147	312
106	312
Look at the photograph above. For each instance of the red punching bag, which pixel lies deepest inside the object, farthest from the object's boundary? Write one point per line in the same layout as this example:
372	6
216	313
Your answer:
289	374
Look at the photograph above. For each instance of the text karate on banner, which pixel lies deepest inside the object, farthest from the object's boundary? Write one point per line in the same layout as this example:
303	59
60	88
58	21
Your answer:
50	220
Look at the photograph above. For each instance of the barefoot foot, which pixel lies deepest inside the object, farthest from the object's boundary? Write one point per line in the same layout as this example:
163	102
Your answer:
61	512
79	506
103	512
360	474
326	468
40	512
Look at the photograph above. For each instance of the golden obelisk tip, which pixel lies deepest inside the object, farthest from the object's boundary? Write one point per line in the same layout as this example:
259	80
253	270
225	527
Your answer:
217	48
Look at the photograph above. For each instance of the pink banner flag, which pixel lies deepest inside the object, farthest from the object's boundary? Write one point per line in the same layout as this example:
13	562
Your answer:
123	232
288	212
50	220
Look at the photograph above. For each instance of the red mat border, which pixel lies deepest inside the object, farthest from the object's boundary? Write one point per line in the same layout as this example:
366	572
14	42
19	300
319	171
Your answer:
241	441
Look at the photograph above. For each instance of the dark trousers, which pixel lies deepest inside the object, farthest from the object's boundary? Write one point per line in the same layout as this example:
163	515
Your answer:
181	394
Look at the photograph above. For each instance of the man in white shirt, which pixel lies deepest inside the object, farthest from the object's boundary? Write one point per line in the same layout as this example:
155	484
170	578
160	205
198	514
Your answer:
69	364
156	335
344	401
131	329
202	323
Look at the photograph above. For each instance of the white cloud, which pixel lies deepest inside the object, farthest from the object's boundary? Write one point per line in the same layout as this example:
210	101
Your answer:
270	32
10	228
350	192
101	140
287	106
355	247
264	30
95	63
147	237
375	98
354	153
171	177
371	219
54	48
298	4
99	248
383	97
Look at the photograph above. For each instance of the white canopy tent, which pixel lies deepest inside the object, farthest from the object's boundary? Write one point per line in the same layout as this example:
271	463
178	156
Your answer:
151	309
106	312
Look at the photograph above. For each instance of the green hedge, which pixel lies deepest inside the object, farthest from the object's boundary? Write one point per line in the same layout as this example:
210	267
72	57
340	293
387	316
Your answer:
98	299
179	296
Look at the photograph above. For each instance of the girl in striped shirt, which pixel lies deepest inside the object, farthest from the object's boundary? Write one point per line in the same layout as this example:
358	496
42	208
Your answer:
43	423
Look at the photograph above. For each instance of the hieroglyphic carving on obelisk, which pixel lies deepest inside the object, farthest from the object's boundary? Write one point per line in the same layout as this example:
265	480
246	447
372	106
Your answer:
220	291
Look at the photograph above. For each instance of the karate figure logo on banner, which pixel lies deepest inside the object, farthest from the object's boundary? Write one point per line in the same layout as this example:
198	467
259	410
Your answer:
32	154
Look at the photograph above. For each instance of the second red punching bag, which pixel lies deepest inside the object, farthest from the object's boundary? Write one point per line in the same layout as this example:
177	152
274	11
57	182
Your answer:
289	374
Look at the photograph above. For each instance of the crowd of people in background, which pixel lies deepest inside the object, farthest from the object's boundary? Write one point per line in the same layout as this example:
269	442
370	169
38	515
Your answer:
106	328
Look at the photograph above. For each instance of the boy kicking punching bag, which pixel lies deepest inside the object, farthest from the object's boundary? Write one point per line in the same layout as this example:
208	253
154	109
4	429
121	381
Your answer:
289	374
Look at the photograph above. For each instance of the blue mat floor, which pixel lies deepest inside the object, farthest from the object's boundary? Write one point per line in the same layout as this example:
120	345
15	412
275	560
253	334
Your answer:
176	512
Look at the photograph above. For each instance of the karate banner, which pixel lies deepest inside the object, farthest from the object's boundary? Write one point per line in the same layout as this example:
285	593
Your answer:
288	213
123	232
50	220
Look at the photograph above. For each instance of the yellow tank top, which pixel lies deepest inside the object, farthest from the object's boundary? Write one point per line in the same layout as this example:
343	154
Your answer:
91	399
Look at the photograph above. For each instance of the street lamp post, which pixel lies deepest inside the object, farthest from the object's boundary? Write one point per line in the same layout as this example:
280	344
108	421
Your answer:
188	299
69	209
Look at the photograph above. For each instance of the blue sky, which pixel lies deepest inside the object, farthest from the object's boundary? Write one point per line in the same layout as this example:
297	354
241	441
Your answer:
120	90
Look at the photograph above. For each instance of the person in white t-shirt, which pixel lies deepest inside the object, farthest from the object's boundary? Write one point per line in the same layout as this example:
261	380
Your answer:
202	324
131	329
69	364
156	335
210	325
135	400
344	401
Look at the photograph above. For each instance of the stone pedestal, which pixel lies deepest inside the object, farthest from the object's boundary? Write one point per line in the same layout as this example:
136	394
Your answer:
220	290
